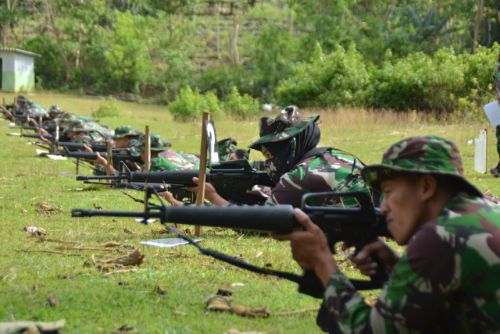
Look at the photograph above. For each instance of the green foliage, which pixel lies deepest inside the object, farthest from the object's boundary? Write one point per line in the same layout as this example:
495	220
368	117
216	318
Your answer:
108	108
334	80
190	105
241	106
443	83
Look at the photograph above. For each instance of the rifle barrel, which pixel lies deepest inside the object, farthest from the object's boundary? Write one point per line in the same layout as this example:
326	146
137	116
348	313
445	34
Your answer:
278	219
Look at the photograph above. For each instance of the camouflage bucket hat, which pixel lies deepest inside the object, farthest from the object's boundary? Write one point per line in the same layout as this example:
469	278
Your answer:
53	110
157	145
77	126
420	155
287	124
124	131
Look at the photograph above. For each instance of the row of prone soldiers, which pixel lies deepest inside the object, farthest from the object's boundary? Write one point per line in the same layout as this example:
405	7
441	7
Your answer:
448	278
65	129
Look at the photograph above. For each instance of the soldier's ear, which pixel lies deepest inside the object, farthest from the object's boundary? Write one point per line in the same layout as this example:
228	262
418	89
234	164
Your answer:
428	186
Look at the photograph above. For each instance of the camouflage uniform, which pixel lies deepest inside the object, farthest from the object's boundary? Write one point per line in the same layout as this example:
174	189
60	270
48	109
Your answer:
448	280
228	148
315	170
172	160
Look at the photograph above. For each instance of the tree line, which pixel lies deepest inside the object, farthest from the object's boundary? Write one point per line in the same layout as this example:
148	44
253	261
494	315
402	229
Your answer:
436	55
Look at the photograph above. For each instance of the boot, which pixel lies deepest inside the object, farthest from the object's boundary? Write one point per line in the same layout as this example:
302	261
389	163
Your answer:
495	171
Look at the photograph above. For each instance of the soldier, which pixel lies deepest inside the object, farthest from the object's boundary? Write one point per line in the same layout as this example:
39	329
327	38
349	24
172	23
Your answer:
495	171
447	280
125	137
228	150
289	144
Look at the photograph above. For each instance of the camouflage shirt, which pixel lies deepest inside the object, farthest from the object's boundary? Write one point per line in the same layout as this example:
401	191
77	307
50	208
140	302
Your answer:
333	170
448	280
172	160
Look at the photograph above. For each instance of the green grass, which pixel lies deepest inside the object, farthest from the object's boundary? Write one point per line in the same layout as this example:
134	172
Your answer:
92	302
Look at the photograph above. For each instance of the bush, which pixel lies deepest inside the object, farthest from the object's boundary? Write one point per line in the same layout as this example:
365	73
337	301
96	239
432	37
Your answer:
190	105
327	80
241	106
107	108
419	82
444	82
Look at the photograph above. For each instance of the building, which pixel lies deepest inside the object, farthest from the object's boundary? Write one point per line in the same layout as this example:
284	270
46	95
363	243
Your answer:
17	70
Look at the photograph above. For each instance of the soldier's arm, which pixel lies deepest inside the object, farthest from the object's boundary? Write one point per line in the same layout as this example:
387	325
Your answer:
411	300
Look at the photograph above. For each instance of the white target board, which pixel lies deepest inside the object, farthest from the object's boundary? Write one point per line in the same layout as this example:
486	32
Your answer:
480	145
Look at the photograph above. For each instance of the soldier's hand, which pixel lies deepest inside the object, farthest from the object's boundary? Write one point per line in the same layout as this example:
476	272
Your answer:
310	248
169	197
211	194
364	259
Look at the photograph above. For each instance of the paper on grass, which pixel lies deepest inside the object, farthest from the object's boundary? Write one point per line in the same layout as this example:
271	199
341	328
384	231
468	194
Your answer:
41	152
149	221
55	157
16	134
169	242
492	111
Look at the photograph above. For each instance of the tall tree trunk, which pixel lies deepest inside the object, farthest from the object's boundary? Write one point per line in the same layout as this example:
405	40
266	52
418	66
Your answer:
68	67
477	25
235	56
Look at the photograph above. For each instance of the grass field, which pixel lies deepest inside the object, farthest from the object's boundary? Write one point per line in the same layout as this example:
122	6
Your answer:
61	266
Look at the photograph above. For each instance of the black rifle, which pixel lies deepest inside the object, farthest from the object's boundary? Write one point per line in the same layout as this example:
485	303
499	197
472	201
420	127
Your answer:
117	156
71	146
232	179
36	135
357	226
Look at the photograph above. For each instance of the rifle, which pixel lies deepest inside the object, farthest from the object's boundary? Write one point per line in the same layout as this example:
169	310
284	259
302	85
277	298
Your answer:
71	146
118	156
231	179
37	136
357	226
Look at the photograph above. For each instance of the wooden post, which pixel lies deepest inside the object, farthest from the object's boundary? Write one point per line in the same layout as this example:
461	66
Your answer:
147	149
200	196
109	157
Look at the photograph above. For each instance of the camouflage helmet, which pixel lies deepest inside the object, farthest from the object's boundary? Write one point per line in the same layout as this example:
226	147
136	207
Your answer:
420	155
53	110
124	131
286	125
157	145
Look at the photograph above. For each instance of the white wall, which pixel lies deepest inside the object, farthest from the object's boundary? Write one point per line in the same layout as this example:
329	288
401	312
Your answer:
8	62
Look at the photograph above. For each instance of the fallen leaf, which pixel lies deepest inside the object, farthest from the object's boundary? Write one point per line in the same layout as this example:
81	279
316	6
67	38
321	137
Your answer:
35	230
259	254
64	276
45	208
125	329
235	331
51	301
126	230
160	290
218	303
224	292
34	288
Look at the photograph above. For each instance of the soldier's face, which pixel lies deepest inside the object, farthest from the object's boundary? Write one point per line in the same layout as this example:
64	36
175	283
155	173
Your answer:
403	207
122	142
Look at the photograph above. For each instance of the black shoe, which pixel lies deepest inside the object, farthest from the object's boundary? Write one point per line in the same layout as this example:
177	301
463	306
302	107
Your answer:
495	171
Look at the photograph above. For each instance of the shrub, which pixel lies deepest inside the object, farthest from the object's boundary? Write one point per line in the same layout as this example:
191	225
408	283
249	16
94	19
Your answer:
241	106
108	108
327	80
190	105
